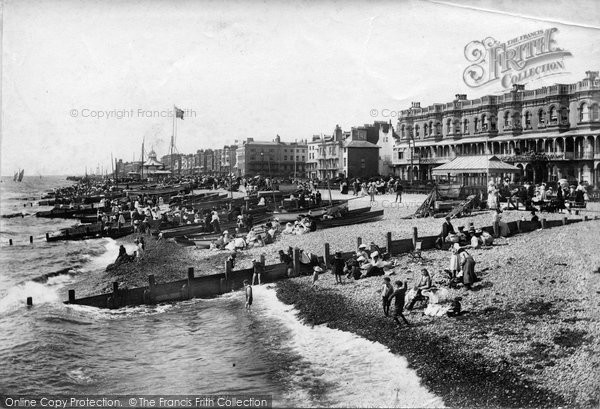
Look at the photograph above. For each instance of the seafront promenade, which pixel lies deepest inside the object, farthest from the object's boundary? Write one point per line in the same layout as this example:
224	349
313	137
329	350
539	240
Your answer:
527	338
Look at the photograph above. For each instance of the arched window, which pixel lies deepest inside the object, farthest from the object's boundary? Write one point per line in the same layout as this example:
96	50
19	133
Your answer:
448	126
584	113
564	115
431	128
476	124
506	118
594	113
541	117
484	125
417	131
402	131
466	126
527	120
425	128
493	123
553	116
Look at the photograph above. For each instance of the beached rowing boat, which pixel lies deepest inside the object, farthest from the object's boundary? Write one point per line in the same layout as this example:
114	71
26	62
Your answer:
363	217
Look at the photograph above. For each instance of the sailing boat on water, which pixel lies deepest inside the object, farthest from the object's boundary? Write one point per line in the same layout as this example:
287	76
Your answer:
20	178
16	176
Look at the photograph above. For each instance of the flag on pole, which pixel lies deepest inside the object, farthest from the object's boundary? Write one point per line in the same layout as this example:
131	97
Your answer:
178	113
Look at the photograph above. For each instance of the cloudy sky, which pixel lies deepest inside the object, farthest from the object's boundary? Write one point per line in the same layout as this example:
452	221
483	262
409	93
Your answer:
243	69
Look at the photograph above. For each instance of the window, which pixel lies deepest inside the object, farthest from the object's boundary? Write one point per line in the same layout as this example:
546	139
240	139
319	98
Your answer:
416	130
541	116
424	130
362	163
506	118
553	116
303	158
297	157
476	124
400	155
466	126
584	113
594	113
484	125
285	157
448	125
527	120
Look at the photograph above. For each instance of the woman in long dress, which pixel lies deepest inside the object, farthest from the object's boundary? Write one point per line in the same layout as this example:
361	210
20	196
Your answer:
468	269
492	196
454	265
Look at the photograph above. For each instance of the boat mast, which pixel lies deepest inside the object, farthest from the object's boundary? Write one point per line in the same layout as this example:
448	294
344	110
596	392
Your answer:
142	161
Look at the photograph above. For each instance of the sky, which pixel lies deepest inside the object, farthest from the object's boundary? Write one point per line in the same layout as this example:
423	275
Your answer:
82	80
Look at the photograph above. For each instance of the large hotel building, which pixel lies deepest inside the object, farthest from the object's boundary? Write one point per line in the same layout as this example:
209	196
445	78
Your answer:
550	133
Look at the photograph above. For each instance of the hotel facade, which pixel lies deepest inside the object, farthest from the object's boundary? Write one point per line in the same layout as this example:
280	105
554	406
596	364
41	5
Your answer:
549	133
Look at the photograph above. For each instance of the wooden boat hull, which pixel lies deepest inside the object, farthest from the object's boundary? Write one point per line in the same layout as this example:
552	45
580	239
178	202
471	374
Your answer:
352	219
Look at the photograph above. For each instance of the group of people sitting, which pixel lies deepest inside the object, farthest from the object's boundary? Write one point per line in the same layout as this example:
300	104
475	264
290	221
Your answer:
476	238
302	225
258	236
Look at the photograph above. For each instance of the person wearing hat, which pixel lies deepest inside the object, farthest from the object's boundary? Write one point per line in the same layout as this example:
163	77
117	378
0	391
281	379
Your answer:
316	271
447	229
468	268
258	271
362	251
338	267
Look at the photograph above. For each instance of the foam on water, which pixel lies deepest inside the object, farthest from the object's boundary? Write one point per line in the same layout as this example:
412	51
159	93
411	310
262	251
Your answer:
16	297
361	373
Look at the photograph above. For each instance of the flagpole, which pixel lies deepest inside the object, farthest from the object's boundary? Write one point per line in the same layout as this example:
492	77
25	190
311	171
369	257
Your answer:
173	138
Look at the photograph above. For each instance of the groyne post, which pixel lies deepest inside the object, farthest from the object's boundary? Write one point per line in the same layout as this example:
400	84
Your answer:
576	212
71	295
326	254
296	261
29	301
585	218
543	223
389	243
190	282
10	242
30	239
415	237
47	236
358	242
564	221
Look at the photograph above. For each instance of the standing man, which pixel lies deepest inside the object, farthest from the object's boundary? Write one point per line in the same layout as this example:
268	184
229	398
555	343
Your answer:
447	228
399	190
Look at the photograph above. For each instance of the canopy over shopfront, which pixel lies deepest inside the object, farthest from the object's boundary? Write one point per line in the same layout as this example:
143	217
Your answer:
476	170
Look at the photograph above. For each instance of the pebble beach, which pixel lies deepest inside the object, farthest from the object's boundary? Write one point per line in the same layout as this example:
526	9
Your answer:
529	337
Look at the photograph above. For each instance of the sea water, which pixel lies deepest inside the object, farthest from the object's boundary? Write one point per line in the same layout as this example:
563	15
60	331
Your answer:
198	346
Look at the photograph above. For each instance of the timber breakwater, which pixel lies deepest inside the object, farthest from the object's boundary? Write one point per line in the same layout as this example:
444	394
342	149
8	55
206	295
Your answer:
218	284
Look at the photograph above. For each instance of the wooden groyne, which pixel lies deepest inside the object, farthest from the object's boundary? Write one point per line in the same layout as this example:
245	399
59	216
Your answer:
216	284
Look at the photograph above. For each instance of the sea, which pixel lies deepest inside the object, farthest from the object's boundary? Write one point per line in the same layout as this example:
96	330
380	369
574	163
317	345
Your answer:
202	346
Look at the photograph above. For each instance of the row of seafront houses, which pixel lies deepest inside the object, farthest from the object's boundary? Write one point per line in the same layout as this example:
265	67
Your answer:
545	134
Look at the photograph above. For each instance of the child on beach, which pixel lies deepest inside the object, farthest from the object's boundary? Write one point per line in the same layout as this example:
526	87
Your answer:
386	292
400	297
248	291
316	271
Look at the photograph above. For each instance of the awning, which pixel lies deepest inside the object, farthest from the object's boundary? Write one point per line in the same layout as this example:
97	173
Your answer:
475	164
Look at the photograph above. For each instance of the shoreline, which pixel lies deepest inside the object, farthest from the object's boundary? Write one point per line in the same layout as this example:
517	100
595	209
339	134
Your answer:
513	349
528	319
